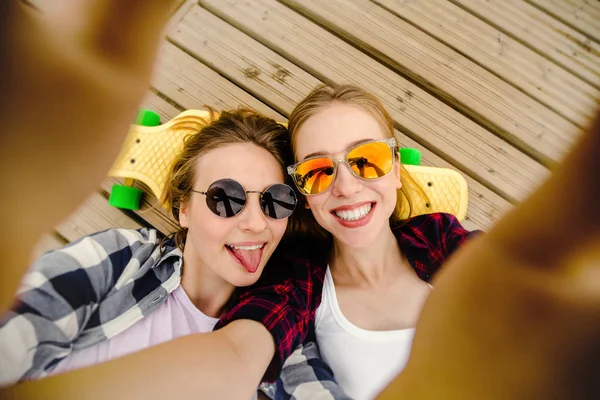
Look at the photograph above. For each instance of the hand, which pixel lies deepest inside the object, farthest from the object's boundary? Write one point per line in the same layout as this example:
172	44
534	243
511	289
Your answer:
71	83
516	313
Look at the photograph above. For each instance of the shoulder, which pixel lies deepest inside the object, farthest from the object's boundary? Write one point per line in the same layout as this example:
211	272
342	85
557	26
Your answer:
434	220
428	240
100	249
429	228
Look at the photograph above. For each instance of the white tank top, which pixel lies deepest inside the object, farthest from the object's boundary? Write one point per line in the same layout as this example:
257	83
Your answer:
363	362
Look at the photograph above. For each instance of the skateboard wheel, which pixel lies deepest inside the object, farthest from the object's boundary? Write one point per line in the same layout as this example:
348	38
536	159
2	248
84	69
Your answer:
410	156
147	118
126	197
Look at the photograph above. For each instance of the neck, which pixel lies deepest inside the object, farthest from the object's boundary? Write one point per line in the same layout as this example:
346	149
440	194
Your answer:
208	291
371	265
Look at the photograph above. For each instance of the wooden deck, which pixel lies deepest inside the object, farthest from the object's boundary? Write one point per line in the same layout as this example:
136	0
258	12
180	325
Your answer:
496	89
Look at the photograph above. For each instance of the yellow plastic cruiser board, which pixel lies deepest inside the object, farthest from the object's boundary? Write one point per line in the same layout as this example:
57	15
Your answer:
445	190
149	151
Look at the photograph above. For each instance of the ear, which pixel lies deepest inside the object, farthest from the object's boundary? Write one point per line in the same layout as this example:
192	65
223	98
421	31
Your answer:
183	216
398	168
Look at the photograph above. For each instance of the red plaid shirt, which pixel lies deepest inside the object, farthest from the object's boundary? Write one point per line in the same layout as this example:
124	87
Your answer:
286	297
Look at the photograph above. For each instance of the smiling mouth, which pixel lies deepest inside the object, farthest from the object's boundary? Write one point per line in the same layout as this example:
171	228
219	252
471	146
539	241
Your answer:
248	256
354	214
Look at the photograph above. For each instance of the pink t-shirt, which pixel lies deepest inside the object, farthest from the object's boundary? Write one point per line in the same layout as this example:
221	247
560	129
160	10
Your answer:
175	317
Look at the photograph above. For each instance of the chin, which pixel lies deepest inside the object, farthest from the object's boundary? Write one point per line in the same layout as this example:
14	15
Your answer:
243	278
354	244
357	240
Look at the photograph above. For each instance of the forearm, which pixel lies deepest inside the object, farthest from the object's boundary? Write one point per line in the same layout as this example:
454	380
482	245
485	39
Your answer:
228	363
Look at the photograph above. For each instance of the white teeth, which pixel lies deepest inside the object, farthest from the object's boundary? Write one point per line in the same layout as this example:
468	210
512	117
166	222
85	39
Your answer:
255	247
353	215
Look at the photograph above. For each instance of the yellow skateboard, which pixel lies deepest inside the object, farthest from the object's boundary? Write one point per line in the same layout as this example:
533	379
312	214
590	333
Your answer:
150	149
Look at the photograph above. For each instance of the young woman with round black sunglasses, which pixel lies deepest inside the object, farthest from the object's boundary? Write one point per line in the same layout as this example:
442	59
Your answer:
160	289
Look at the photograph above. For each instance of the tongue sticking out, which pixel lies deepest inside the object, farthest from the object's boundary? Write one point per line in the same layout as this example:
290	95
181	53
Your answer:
248	258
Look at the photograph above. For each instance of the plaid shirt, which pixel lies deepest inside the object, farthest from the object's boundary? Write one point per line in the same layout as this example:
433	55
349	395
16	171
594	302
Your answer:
98	286
288	304
82	294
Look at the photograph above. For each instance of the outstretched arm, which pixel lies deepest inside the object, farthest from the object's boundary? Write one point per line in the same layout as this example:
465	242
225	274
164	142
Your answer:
70	85
226	364
516	313
59	298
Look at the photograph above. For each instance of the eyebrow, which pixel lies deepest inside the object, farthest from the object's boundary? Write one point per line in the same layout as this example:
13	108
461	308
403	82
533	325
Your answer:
351	145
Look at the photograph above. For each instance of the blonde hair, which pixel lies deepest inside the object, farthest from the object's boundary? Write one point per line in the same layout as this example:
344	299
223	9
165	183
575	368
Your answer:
321	97
237	126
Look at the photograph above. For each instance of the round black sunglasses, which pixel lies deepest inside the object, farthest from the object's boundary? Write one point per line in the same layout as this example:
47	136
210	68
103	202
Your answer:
227	198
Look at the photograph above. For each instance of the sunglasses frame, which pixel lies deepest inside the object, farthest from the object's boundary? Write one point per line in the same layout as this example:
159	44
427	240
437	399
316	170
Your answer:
260	193
291	170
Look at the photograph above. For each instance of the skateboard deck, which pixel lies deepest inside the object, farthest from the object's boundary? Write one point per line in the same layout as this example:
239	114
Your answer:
149	151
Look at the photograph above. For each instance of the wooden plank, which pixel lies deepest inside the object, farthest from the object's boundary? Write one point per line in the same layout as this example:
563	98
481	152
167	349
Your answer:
580	15
167	110
542	33
180	10
217	45
422	117
150	211
93	216
227	47
525	69
487	99
192	84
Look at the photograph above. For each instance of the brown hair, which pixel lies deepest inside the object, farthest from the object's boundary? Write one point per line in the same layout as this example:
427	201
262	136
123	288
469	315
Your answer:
321	97
237	126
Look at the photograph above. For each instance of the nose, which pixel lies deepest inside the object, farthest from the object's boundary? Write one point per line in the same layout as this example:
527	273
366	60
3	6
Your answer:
252	219
345	183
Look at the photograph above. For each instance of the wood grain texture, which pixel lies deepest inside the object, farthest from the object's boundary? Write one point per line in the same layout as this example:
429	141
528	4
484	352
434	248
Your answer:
518	65
487	99
582	15
539	31
93	216
191	84
201	29
460	141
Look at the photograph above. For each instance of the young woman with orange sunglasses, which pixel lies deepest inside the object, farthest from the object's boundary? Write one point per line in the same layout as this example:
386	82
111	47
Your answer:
372	275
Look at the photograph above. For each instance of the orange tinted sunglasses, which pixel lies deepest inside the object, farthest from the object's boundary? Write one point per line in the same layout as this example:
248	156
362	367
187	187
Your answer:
369	161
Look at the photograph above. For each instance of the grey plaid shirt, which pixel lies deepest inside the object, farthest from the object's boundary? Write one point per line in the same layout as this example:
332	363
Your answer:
82	294
97	287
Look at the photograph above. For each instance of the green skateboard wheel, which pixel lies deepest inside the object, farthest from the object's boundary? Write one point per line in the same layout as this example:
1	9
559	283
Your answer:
126	197
147	118
410	156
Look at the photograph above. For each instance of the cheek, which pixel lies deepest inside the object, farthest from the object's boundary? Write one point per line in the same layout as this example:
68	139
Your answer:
278	228
319	208
388	190
316	202
208	229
